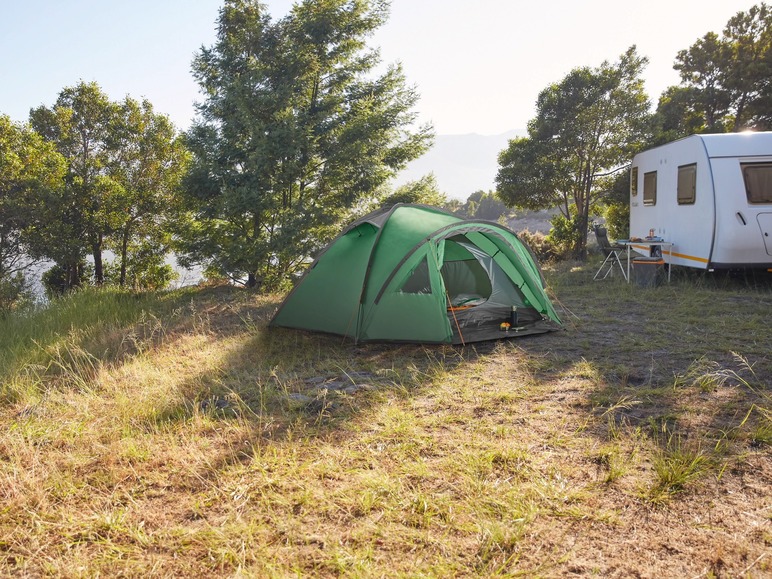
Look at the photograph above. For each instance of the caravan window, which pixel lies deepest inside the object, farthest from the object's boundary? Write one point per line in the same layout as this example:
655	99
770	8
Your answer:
650	188
687	184
634	181
758	181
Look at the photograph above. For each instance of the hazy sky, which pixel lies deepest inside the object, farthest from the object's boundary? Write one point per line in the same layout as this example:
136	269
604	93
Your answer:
478	64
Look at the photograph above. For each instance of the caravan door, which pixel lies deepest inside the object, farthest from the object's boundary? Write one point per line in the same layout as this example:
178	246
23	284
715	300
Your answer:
765	224
743	199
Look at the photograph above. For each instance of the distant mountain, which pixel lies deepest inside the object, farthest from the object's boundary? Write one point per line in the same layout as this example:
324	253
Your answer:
462	164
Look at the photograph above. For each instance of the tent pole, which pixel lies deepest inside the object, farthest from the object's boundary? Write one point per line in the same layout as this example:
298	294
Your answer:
452	311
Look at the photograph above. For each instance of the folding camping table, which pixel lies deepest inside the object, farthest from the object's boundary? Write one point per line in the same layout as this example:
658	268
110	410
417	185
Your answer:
647	245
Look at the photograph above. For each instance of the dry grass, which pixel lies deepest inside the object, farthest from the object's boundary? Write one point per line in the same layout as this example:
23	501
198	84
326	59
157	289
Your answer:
175	435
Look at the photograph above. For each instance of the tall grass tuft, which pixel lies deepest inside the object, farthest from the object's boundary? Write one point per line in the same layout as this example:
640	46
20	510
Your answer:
677	465
73	335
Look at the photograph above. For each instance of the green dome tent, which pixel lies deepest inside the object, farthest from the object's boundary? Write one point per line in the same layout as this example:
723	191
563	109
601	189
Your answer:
413	273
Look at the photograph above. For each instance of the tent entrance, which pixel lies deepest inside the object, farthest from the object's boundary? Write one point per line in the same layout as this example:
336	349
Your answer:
481	295
467	283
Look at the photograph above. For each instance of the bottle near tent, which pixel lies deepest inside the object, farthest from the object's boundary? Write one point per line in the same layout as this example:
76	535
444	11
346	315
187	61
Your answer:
513	317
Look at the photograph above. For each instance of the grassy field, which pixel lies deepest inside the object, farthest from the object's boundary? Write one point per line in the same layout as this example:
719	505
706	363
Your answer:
173	435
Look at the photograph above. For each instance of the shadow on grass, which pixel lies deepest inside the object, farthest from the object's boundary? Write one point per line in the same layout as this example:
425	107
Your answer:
279	384
631	344
638	344
684	361
283	383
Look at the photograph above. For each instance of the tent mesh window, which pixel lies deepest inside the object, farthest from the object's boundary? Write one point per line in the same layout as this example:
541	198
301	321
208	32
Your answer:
418	280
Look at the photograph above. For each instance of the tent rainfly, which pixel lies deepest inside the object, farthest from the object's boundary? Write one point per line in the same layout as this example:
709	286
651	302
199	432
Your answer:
414	273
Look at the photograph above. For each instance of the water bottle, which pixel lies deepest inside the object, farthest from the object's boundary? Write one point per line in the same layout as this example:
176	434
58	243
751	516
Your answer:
513	317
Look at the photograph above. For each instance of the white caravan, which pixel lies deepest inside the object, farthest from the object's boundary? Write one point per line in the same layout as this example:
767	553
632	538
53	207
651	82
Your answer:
711	196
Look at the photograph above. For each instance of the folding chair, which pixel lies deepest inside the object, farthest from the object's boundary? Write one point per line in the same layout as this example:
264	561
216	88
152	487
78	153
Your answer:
612	252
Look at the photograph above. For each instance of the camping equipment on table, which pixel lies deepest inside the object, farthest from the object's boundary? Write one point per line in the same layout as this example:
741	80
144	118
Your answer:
414	273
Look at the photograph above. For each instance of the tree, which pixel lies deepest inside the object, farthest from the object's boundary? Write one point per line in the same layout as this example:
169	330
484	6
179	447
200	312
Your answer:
124	166
702	68
617	204
294	131
147	162
748	76
727	80
423	190
586	129
29	168
79	124
676	117
482	205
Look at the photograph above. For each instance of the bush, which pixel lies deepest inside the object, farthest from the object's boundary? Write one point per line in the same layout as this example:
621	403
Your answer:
145	270
540	245
618	221
564	236
14	292
57	282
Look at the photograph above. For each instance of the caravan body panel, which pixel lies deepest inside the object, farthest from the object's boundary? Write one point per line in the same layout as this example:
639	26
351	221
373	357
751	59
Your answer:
693	193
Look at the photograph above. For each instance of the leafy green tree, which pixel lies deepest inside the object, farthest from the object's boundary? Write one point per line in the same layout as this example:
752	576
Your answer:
84	211
124	167
143	267
295	130
29	168
454	206
482	205
147	162
617	206
675	116
748	76
702	68
725	81
586	129
424	190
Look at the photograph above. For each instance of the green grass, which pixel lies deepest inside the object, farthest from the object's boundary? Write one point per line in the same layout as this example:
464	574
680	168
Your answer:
174	434
77	333
676	465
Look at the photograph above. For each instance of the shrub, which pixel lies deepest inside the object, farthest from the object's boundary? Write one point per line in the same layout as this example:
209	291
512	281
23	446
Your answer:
14	291
564	236
540	245
56	282
145	270
618	221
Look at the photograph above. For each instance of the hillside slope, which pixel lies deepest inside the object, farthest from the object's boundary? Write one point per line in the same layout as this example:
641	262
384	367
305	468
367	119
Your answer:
174	435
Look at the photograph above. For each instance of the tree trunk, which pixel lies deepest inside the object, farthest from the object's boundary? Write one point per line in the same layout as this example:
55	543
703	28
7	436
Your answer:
740	109
584	213
96	250
251	280
124	254
582	224
72	275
